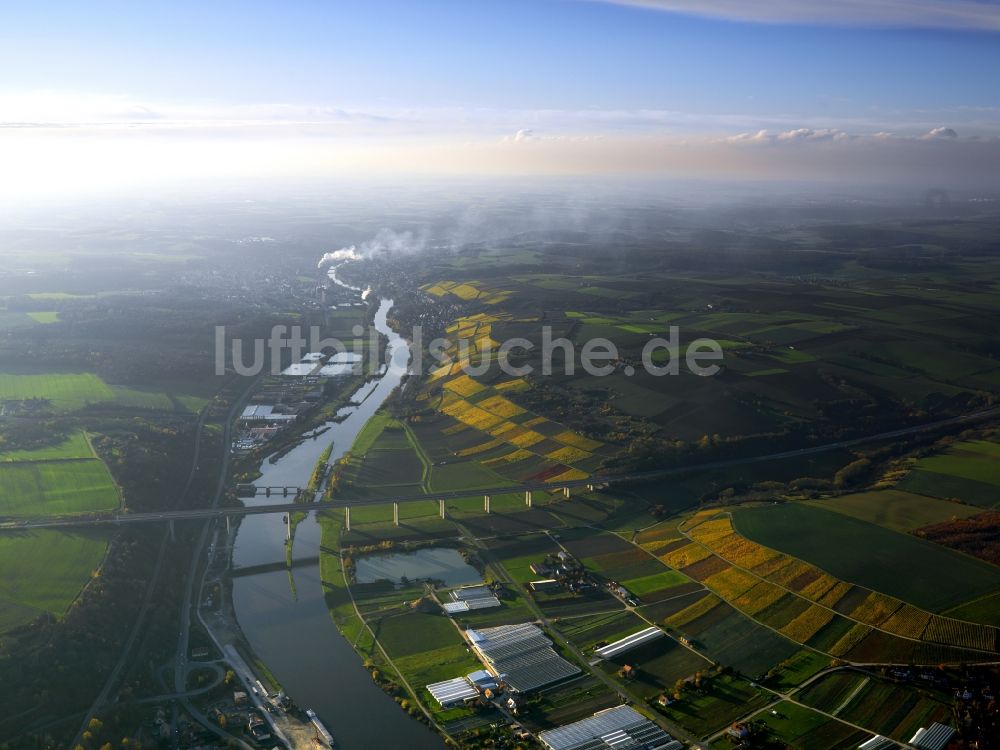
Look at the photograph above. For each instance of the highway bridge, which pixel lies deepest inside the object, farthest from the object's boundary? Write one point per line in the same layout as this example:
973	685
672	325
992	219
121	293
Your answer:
529	490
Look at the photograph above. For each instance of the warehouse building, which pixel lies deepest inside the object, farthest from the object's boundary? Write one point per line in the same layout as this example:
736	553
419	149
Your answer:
629	642
618	728
520	656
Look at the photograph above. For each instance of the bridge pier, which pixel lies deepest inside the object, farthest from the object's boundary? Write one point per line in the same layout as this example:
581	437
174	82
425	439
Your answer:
288	527
347	518
565	491
228	532
173	536
528	498
395	514
441	510
486	503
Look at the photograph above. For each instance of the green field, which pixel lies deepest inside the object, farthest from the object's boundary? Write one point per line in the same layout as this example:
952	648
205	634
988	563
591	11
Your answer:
65	391
39	488
722	701
68	391
968	471
799	667
896	510
74	447
796	727
426	649
886	708
912	569
659	665
44	317
43	572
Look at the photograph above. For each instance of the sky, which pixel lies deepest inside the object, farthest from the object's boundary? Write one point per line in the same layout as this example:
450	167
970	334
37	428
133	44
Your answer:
101	93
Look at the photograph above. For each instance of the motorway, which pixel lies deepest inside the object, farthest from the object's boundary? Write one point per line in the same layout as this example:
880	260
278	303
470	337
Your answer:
118	519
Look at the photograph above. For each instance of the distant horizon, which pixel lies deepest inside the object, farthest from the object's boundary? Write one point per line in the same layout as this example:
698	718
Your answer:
122	96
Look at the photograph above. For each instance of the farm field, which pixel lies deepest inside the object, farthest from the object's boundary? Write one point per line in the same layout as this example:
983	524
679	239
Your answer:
69	391
798	728
797	669
966	471
65	391
729	637
659	665
887	708
426	648
75	446
39	488
917	571
723	700
44	571
896	510
813	608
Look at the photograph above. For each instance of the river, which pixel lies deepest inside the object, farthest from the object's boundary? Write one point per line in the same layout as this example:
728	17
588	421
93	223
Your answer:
294	635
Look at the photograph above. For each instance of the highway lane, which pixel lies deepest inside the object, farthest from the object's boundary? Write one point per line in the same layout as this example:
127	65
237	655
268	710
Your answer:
118	519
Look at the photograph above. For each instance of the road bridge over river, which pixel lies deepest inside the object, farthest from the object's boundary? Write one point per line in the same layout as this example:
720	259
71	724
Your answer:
529	490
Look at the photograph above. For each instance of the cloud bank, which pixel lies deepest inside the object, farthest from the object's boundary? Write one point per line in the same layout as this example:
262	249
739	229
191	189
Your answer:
983	15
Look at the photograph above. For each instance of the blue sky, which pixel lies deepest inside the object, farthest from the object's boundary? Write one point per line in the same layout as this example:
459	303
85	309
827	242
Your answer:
490	69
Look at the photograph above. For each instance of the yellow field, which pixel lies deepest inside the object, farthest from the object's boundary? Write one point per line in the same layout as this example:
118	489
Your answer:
506	430
481	448
501	406
527	439
741	551
850	639
970	635
569	475
712	530
568	455
806	625
759	598
513	386
693	612
907	621
468	291
471	415
465	386
835	594
698	518
577	441
784	573
819	587
876	608
731	583
517	455
686	555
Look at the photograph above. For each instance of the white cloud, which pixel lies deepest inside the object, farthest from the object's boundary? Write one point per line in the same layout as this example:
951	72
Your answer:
946	14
